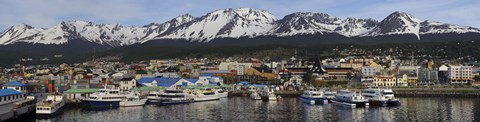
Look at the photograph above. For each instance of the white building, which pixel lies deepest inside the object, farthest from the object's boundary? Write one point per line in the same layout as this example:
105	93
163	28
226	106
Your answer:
368	72
127	84
460	74
241	68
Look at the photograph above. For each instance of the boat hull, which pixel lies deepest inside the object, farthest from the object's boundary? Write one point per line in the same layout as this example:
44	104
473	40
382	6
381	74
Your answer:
173	102
50	115
314	101
100	104
352	104
384	103
209	98
133	103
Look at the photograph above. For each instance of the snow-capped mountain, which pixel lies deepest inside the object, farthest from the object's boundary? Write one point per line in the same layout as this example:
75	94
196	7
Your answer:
311	23
228	23
231	23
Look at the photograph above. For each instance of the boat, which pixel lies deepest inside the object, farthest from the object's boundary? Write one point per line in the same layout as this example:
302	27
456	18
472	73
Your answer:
132	99
25	106
50	107
154	97
255	96
174	96
204	94
269	95
106	97
221	93
352	99
330	95
380	97
313	96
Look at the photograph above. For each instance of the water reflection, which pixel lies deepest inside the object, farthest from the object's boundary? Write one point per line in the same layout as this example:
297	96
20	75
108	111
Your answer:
289	109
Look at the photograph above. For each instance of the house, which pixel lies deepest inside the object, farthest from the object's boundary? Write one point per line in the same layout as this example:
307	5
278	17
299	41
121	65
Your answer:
15	85
127	84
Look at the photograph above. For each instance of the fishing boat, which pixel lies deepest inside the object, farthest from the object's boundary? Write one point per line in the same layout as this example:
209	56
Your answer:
106	97
380	97
154	97
132	99
313	96
351	99
204	94
255	96
50	106
174	96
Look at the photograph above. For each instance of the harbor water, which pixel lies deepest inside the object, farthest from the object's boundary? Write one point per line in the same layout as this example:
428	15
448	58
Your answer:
289	109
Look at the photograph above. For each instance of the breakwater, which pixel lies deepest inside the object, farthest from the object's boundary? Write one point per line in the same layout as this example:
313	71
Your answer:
437	92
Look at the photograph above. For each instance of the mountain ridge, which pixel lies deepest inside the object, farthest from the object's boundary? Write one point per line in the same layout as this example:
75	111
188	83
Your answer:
228	23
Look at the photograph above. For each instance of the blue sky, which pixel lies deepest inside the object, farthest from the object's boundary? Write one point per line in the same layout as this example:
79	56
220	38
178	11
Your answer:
47	13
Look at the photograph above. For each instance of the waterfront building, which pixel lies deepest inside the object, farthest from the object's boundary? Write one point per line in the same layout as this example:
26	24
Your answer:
76	95
427	76
15	85
460	74
385	80
241	68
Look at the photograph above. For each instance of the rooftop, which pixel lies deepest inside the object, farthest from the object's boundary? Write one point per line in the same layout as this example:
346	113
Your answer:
14	83
5	92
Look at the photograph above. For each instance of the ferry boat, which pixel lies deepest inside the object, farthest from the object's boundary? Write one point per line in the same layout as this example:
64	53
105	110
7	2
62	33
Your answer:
268	95
50	106
154	97
313	96
204	94
330	95
380	97
255	96
352	99
132	99
174	96
106	97
221	93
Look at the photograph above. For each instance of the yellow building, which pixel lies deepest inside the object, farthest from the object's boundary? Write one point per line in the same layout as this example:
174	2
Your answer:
384	81
264	73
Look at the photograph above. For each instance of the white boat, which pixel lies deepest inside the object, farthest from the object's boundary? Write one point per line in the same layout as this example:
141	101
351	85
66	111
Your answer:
50	106
221	93
132	99
204	94
352	99
174	96
330	95
154	97
106	97
380	97
255	96
313	96
269	95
